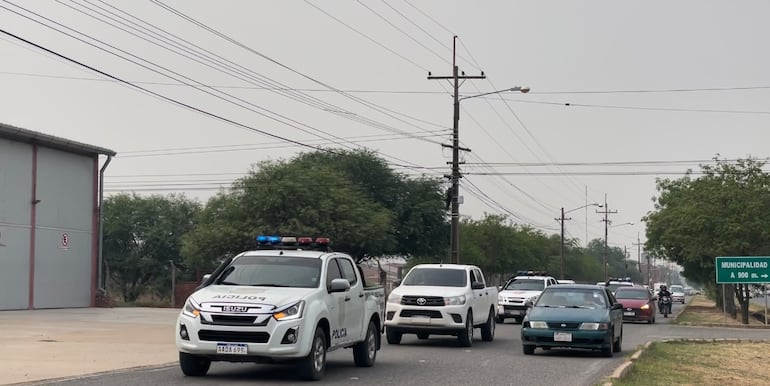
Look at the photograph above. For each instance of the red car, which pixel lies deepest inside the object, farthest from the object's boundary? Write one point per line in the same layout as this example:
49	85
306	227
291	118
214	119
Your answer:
638	304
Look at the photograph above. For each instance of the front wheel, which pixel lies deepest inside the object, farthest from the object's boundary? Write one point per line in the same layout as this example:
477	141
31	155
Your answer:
488	330
528	349
312	367
193	366
465	337
391	336
364	353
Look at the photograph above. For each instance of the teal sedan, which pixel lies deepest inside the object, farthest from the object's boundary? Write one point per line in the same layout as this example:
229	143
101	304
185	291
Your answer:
574	316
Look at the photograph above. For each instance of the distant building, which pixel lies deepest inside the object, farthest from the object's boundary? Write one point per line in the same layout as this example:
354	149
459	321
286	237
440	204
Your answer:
49	220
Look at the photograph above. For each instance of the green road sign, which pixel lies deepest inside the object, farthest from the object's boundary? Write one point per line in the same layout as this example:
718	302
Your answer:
743	269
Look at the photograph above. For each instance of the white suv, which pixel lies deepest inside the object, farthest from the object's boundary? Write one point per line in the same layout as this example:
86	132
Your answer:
519	293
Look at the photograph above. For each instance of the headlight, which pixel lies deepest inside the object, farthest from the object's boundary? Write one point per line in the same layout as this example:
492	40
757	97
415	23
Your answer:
538	324
291	312
191	309
593	326
394	298
454	300
646	306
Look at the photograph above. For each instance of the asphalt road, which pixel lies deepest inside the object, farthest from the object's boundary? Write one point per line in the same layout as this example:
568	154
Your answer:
437	361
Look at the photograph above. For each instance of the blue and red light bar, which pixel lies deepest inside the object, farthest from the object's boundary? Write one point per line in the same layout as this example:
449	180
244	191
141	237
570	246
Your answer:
291	242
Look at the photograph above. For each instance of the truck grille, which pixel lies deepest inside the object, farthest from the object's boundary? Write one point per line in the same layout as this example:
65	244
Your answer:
233	336
234	320
429	301
428	313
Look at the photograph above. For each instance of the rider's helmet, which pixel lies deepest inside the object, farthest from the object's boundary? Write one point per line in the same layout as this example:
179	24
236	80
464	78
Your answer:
662	288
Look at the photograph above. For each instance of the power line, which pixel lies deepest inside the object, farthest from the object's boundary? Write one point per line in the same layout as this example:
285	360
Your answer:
673	109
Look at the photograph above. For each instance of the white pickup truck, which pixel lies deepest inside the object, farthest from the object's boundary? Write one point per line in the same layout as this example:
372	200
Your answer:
519	293
281	303
441	299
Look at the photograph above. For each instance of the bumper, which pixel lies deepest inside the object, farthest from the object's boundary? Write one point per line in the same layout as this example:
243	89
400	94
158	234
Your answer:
438	320
577	338
638	315
677	299
512	311
263	343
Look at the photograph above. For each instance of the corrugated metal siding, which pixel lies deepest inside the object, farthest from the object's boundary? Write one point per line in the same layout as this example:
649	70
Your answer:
15	206
63	269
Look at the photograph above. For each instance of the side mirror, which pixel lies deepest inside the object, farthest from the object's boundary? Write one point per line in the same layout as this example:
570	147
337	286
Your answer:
206	277
654	298
477	285
397	283
339	285
617	306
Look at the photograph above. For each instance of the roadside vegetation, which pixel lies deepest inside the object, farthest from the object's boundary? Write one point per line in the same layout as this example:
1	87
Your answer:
701	363
354	197
704	312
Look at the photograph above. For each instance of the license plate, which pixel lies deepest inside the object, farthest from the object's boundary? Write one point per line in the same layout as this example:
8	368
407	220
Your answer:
630	313
421	319
232	349
562	337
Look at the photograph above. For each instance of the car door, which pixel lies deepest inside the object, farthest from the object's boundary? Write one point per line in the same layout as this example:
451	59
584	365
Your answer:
480	311
354	307
336	304
616	314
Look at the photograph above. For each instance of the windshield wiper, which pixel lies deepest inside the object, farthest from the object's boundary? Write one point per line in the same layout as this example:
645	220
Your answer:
227	283
579	307
268	285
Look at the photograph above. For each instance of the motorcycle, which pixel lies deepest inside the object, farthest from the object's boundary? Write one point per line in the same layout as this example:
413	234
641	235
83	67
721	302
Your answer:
664	305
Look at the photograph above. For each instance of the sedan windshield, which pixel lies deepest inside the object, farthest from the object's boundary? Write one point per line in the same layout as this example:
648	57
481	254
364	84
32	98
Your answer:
632	294
525	285
439	277
676	288
572	298
272	271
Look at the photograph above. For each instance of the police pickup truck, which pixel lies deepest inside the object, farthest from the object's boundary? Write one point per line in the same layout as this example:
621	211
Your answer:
441	299
520	292
290	300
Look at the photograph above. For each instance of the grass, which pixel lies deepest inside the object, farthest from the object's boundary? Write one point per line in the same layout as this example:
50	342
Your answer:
695	363
703	311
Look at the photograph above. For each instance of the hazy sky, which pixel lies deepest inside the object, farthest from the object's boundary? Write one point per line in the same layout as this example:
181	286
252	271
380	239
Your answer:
354	73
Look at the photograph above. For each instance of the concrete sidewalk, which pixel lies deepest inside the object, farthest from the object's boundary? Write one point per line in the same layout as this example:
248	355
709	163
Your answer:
47	344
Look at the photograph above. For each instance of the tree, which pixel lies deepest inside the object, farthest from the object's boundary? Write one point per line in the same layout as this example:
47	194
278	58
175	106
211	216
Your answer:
718	214
141	236
352	197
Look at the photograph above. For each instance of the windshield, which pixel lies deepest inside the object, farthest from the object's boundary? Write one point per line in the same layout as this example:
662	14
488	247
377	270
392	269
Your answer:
525	285
273	271
676	288
632	294
439	277
572	298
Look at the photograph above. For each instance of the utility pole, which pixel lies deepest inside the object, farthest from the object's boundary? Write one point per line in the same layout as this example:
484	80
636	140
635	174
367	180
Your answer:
561	221
455	176
606	212
639	255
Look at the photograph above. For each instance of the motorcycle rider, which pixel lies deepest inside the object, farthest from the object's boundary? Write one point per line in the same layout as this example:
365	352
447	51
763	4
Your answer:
663	292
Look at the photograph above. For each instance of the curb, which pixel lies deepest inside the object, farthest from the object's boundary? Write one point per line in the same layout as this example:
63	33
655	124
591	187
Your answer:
625	367
92	375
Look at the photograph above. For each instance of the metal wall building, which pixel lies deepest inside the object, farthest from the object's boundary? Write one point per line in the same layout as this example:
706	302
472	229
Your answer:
49	220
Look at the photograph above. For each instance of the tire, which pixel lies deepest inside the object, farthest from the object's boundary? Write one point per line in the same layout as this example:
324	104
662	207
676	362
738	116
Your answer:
618	345
528	349
499	319
607	351
517	320
391	336
423	335
193	366
488	329
365	352
465	337
312	367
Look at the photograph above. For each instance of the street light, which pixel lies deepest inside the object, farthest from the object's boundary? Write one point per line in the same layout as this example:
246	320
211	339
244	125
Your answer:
561	220
455	193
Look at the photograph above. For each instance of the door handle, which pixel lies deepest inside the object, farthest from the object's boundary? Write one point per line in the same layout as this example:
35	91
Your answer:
361	295
347	298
